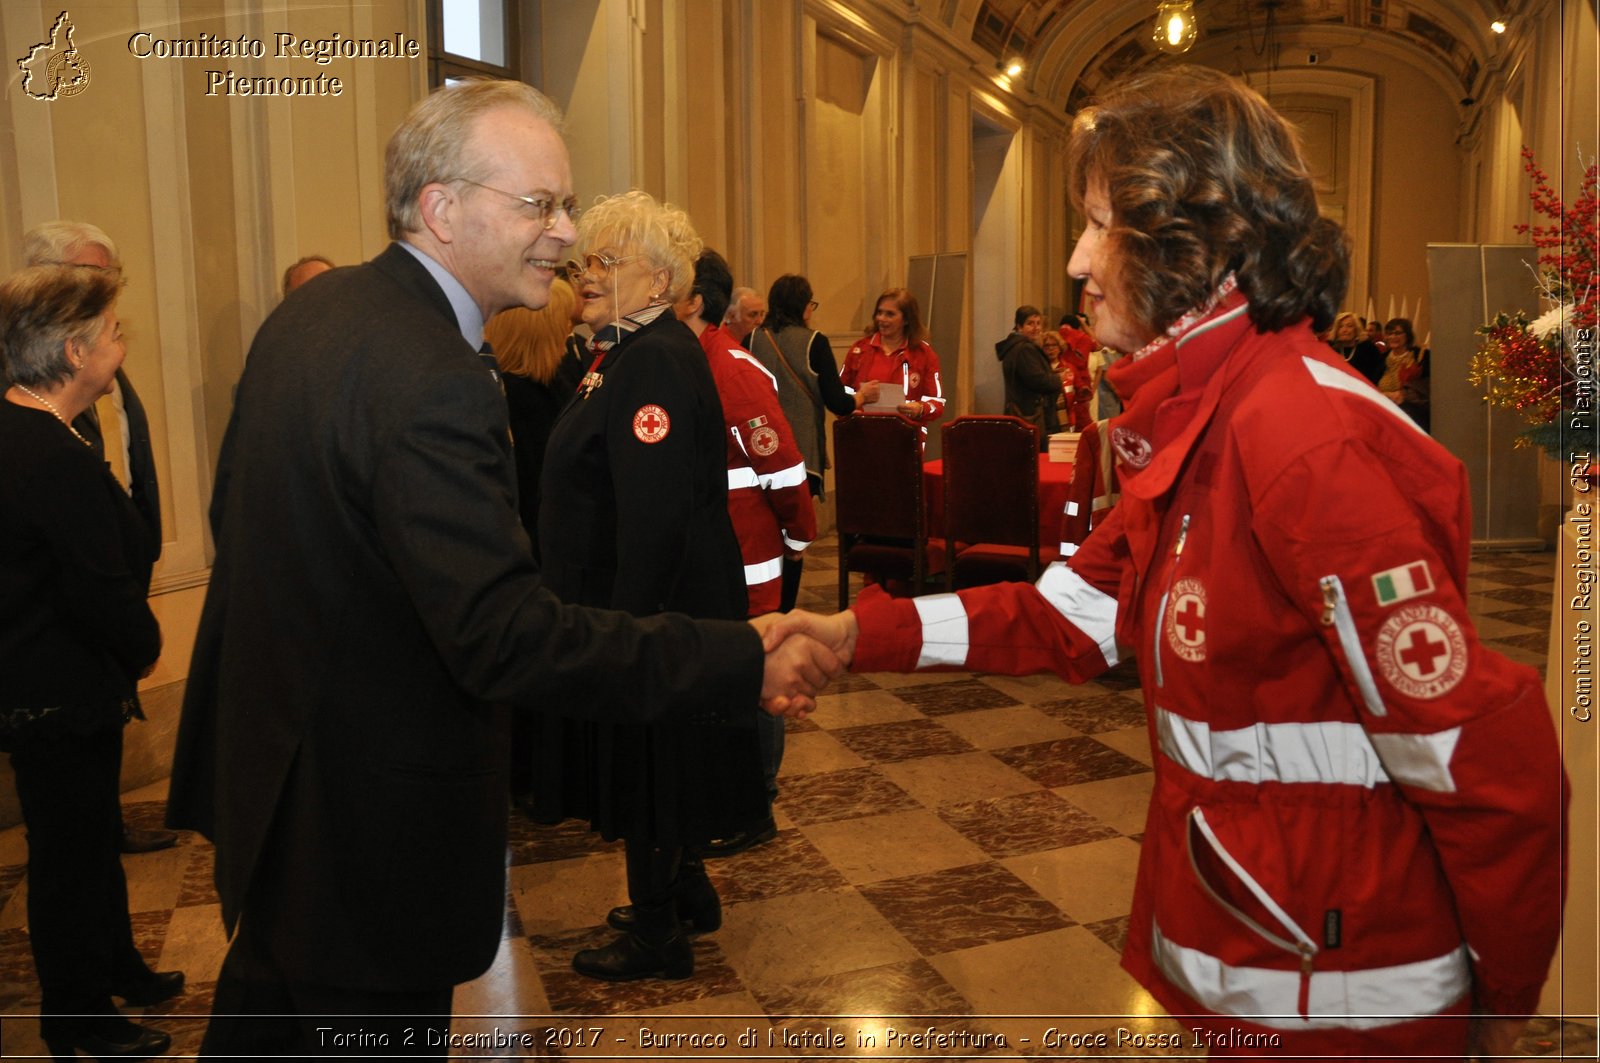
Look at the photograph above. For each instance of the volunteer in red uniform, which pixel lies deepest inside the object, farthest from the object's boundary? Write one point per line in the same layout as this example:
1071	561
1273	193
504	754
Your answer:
896	352
769	500
1355	839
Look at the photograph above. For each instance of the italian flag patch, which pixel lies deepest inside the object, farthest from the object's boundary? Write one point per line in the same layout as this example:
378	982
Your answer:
1400	584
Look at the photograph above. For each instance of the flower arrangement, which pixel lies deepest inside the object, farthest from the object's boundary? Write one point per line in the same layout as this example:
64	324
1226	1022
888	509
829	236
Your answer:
1545	368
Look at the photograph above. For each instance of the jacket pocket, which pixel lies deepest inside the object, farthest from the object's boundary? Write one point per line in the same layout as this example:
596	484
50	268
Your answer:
1239	893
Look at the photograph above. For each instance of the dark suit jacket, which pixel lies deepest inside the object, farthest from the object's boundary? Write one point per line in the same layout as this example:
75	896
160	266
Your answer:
372	606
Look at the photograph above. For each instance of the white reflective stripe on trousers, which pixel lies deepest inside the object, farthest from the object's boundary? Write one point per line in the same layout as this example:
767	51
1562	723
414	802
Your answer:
1342	1000
763	572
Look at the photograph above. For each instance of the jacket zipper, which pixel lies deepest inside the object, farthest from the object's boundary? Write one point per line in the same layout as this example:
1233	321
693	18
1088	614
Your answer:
1336	614
1161	611
1302	944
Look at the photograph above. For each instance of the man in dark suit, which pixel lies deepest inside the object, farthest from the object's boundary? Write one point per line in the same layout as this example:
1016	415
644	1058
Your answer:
374	606
76	243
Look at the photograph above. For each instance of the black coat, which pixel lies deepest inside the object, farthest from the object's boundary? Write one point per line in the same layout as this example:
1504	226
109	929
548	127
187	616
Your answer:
635	517
372	606
1032	387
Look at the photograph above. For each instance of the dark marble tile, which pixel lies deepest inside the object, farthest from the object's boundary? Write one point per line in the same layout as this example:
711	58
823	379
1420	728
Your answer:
963	907
1495	559
1067	761
1514	577
1095	714
831	795
1114	932
938	699
1529	617
1558	1038
199	878
1125	676
902	740
1519	596
787	864
11	876
850	683
150	932
535	843
19	986
908	988
570	992
146	815
1533	641
1024	823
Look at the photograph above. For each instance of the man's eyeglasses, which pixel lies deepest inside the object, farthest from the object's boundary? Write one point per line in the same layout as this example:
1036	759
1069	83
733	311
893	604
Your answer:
542	208
596	265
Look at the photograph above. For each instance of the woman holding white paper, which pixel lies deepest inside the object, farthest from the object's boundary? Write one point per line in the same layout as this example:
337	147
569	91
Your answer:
895	355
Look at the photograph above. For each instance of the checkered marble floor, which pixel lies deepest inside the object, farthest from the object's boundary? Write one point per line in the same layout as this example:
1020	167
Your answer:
954	864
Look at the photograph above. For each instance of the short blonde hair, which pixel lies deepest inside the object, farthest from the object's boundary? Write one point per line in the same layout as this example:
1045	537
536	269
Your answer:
661	232
531	343
431	144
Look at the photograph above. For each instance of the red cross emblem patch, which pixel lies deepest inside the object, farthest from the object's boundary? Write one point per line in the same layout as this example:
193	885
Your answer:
1186	619
1131	447
1420	651
913	379
651	424
764	441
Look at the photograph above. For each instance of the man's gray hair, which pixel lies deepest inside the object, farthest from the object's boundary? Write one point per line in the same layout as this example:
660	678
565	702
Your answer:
55	243
431	144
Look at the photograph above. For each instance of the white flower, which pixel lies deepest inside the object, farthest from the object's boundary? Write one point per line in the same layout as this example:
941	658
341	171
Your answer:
1551	320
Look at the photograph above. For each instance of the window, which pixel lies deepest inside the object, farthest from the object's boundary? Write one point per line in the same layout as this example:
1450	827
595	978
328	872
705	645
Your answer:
472	37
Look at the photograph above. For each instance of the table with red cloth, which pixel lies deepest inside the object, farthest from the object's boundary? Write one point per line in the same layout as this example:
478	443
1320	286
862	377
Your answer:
1055	483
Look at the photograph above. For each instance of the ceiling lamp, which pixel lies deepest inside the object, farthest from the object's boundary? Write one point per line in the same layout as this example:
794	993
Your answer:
1175	28
1013	68
1498	25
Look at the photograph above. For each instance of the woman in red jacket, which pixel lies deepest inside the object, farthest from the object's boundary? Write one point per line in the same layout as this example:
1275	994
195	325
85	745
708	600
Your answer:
1355	839
897	352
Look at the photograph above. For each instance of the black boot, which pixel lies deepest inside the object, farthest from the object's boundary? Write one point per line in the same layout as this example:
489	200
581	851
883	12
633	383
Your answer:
699	907
656	946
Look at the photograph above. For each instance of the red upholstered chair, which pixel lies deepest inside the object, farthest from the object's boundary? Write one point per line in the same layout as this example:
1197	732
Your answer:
877	460
991	501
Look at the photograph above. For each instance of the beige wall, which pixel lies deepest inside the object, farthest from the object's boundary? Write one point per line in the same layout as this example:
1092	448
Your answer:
208	198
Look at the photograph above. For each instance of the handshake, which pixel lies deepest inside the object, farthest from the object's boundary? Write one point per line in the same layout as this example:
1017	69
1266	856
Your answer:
805	652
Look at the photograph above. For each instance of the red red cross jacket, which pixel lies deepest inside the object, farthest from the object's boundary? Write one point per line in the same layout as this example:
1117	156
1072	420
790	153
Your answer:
768	500
914	367
1358	809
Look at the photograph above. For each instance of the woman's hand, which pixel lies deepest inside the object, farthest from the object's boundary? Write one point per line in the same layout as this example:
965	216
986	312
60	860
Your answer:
911	408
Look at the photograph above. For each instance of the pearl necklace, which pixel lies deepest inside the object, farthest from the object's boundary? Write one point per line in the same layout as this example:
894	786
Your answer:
47	404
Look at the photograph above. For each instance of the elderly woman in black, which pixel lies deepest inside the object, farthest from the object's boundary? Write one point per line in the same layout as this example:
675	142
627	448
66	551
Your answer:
76	635
635	517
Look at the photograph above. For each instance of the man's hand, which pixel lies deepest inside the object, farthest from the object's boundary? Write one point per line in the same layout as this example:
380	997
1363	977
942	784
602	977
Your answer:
797	667
837	632
866	394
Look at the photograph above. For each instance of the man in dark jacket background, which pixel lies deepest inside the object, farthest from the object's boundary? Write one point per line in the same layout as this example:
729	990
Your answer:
1031	385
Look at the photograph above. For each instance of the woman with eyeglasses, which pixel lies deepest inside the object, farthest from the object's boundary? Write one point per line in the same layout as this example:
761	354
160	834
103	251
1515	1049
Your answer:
76	636
896	351
1407	375
635	517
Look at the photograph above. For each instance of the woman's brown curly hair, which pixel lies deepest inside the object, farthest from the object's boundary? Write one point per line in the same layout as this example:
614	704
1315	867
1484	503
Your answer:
1205	178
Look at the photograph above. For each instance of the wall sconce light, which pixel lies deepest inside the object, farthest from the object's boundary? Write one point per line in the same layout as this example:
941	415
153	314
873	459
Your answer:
1175	28
1498	25
1012	67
